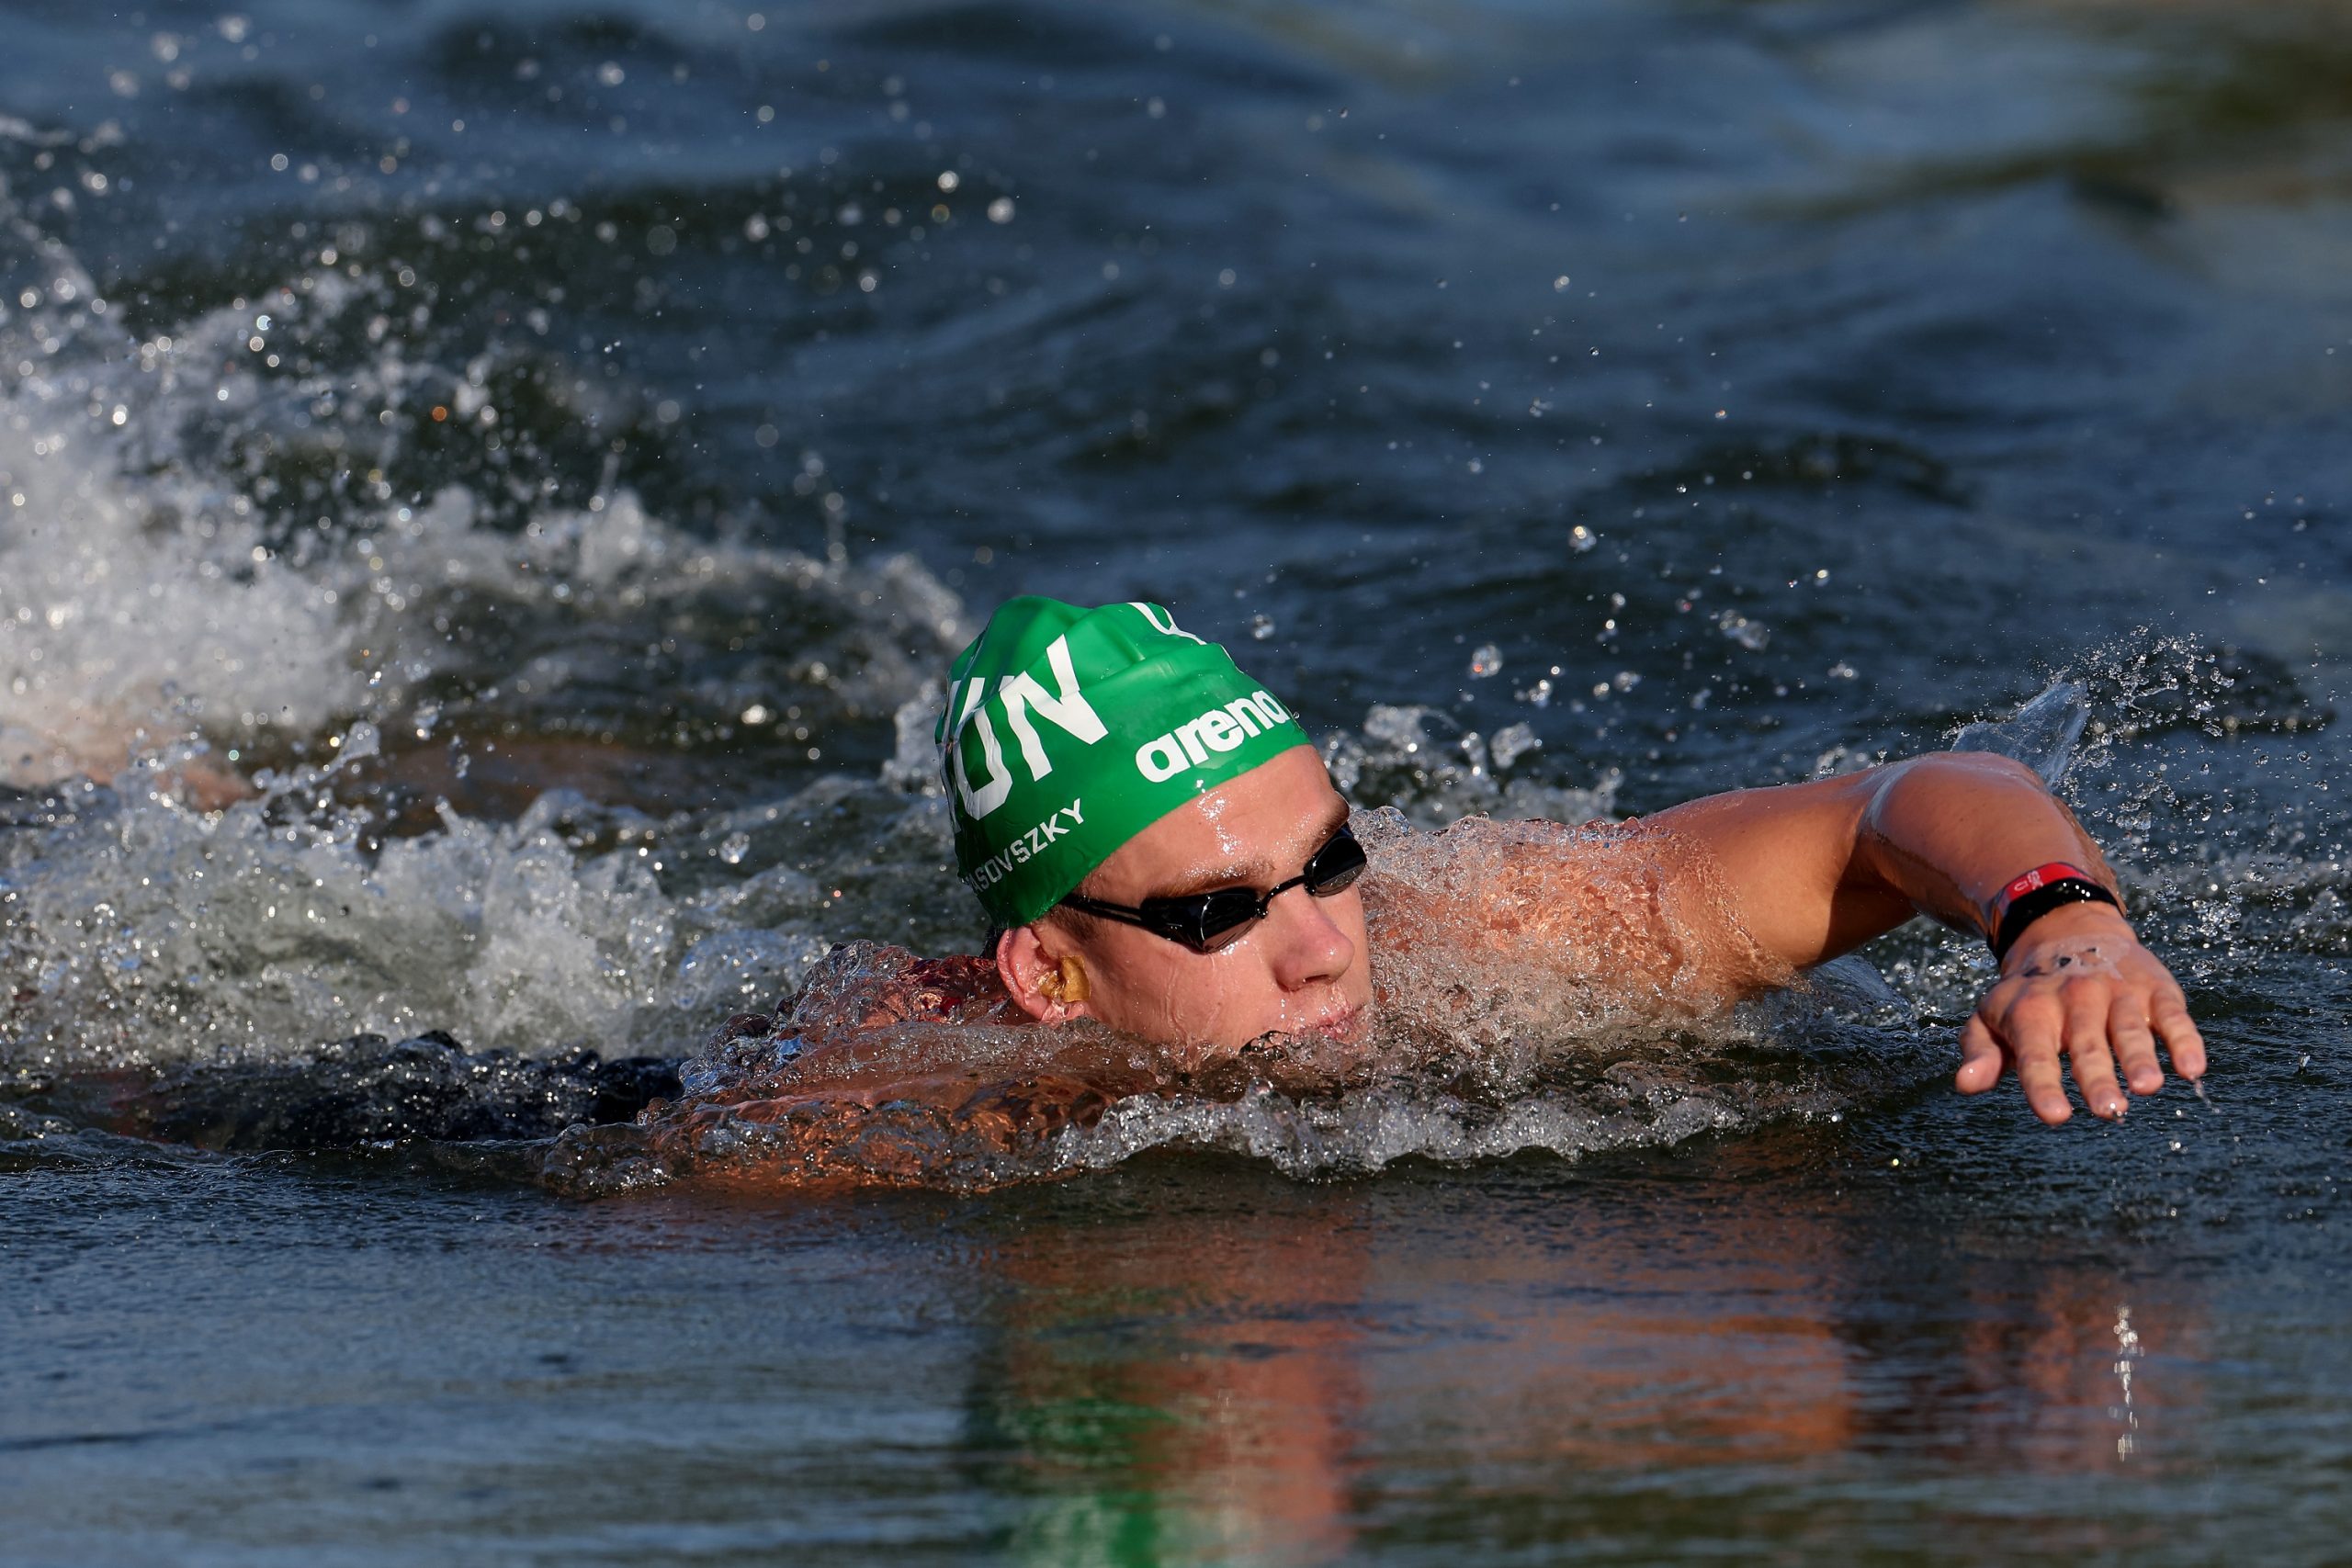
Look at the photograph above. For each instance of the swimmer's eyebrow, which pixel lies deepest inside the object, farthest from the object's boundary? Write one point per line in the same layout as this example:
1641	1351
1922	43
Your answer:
1256	874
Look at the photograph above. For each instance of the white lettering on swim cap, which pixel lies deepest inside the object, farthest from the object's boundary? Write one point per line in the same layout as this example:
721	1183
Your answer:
1219	729
1069	709
973	690
1025	847
963	696
992	795
1159	759
1161	620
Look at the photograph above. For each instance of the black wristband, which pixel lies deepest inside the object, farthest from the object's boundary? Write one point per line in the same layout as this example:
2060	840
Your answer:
2030	906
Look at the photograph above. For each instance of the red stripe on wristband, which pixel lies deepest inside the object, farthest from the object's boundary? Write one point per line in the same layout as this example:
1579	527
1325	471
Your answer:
2034	895
2039	876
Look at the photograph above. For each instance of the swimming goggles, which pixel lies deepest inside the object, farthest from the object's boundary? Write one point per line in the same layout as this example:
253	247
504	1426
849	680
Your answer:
1208	921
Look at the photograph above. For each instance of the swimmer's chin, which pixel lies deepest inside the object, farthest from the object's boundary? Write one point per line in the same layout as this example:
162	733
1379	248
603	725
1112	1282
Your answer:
1337	1025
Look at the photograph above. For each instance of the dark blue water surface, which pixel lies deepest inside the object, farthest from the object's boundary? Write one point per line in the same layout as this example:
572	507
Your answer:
554	448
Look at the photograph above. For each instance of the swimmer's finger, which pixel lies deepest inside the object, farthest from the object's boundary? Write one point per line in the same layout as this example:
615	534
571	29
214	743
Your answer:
1981	1058
2134	1042
2087	1048
2182	1043
2033	1027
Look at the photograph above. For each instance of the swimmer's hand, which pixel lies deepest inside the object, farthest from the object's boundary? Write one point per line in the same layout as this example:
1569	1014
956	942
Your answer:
2079	984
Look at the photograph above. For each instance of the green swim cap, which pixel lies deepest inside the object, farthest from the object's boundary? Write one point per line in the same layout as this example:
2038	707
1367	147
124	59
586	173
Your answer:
1068	731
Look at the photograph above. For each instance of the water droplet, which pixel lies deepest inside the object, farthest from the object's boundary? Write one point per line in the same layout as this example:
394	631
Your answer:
1511	742
1750	634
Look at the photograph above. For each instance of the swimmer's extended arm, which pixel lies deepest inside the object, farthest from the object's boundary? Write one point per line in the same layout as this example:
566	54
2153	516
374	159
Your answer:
1814	870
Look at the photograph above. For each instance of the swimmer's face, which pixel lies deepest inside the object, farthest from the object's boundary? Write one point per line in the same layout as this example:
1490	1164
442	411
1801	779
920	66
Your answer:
1301	969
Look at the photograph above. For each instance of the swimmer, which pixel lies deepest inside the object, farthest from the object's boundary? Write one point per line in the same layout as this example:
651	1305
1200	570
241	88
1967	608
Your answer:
1159	848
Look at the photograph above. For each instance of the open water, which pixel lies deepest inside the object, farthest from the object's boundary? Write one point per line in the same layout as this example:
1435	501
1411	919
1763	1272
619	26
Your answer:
550	448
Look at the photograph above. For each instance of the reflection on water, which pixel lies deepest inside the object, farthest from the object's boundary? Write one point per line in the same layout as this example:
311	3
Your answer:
1187	1391
1286	1379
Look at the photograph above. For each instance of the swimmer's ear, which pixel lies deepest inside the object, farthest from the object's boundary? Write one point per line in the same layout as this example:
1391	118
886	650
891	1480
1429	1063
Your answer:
1048	986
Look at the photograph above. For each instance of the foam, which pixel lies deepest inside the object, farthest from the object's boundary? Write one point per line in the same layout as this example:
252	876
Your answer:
135	931
181	622
208	541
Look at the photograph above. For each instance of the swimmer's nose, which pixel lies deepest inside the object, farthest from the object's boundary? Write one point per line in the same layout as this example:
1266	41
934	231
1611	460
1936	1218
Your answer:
1307	947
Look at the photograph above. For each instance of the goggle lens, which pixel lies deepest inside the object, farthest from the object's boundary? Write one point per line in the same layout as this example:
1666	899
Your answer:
1206	922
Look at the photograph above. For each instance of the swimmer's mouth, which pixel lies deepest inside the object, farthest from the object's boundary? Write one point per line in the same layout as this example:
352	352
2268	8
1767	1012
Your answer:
1340	1023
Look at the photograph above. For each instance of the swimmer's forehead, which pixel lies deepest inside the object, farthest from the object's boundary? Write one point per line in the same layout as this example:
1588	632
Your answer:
1256	830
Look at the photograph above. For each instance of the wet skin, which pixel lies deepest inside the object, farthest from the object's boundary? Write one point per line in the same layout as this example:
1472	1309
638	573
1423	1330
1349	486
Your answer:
1303	968
1816	869
1802	872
